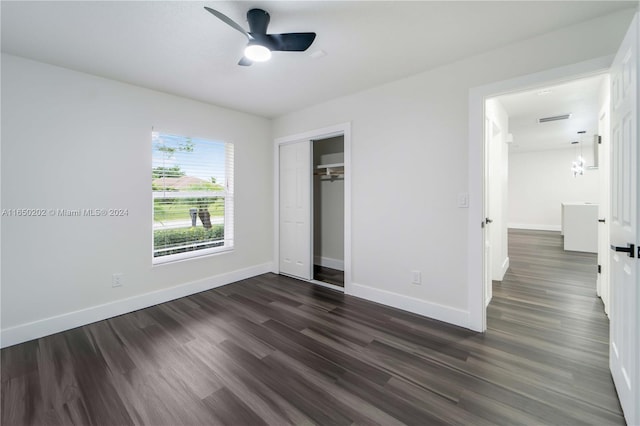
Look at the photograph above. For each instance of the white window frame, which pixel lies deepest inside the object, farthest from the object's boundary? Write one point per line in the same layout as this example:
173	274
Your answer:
227	194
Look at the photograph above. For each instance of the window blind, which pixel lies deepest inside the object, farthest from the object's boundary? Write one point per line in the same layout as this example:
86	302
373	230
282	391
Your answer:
192	186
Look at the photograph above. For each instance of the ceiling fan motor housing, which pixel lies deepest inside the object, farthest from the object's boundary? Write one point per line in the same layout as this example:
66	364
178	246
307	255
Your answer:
258	21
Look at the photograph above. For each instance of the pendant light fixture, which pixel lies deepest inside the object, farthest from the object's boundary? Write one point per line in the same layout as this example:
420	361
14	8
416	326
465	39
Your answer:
577	166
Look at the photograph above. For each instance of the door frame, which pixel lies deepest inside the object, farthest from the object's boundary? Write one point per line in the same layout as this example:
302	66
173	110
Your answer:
342	129
477	184
604	210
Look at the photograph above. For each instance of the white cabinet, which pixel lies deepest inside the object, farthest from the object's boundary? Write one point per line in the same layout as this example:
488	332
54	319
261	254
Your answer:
580	227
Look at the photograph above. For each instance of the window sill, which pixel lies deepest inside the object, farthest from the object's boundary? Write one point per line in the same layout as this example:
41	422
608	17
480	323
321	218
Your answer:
191	255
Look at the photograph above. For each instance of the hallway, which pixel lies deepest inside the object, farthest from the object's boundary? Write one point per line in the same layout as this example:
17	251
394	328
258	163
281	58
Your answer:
547	325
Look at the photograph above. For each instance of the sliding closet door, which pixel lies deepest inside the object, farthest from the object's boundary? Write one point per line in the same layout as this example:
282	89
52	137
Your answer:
295	209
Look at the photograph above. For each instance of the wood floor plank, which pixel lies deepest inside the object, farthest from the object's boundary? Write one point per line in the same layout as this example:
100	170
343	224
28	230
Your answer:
230	372
278	351
408	412
355	408
328	275
231	410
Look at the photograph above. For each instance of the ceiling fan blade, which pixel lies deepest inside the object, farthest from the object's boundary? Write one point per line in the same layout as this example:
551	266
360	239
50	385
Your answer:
291	42
245	62
224	18
258	21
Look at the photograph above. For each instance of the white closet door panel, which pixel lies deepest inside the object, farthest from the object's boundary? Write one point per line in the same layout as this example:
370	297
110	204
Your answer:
295	209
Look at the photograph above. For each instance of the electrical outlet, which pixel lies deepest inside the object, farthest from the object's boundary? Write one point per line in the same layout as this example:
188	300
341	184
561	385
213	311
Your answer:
116	280
417	277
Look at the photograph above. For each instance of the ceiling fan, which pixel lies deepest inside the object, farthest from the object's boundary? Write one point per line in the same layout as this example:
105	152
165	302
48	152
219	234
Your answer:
262	44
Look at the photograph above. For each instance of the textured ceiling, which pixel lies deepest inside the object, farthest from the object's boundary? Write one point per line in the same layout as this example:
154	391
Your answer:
179	48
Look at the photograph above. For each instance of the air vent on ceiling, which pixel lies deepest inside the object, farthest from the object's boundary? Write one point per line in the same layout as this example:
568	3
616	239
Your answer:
554	118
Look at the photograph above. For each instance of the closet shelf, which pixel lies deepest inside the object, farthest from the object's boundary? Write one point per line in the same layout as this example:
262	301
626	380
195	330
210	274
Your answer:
330	166
336	169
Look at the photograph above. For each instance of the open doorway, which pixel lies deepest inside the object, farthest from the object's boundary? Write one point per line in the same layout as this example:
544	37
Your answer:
477	166
559	212
328	210
549	173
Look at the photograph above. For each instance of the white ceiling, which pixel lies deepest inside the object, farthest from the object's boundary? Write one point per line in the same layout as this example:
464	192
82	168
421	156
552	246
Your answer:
578	98
178	47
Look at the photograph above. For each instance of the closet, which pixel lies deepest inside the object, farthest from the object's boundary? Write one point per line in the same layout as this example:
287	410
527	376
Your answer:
328	210
311	220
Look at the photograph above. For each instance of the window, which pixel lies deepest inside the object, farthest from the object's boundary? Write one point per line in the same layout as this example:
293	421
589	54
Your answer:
192	186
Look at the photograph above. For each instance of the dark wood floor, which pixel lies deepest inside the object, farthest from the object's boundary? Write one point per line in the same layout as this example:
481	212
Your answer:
272	350
328	275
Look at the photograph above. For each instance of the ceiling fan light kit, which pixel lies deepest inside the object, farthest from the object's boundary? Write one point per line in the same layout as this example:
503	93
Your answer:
262	44
257	53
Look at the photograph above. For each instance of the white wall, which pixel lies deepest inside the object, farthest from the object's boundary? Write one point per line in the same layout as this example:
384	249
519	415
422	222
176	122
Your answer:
498	187
328	195
540	180
72	140
409	162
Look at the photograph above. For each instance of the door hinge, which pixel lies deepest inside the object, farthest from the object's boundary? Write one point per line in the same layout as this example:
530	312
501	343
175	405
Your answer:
599	138
599	269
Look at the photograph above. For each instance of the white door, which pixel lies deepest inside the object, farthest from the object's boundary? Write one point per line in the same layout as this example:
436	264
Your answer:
488	263
624	354
295	209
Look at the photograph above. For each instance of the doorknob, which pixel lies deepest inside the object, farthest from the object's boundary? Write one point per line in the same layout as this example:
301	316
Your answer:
601	220
628	249
487	220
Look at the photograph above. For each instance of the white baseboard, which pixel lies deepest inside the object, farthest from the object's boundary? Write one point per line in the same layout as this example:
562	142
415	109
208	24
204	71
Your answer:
503	270
329	263
534	227
505	266
487	301
447	314
44	327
